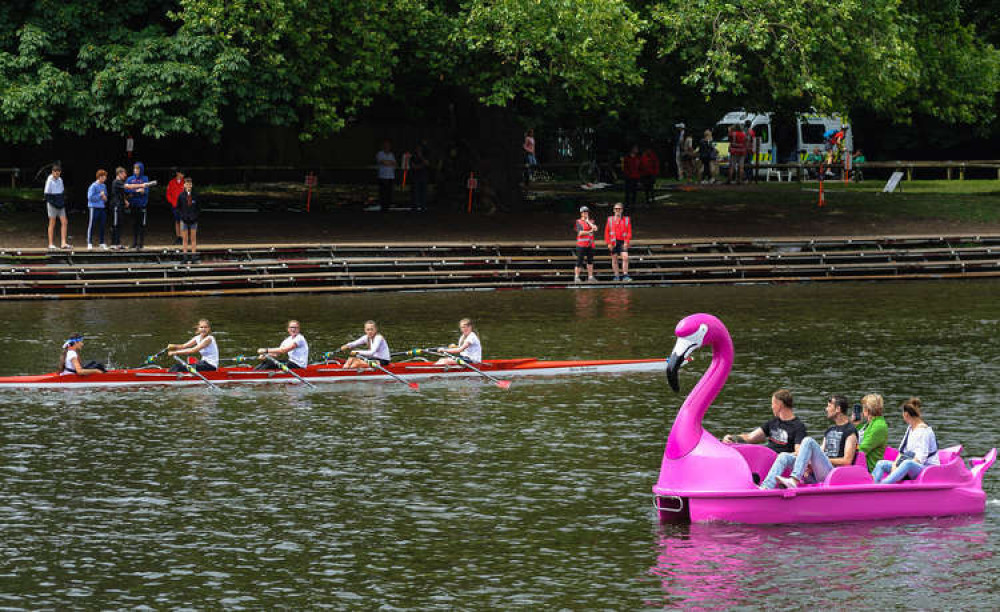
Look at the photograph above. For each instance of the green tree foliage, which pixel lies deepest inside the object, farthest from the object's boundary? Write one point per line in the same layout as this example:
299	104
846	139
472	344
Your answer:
891	57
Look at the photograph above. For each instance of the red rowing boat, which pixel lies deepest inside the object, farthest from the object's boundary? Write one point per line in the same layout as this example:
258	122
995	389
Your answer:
329	373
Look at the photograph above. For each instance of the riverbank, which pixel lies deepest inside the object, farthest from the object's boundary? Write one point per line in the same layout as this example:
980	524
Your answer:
274	213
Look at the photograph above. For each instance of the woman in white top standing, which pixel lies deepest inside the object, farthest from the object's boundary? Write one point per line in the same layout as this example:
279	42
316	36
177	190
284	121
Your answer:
468	348
70	362
204	344
377	349
295	346
917	450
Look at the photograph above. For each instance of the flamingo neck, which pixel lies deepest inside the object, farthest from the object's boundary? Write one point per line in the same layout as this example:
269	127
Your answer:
686	432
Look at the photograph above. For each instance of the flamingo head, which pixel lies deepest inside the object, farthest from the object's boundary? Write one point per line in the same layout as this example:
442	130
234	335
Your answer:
692	333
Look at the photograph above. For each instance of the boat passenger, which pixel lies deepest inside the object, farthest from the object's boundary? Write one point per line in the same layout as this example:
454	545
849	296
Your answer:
874	434
204	344
468	348
812	462
783	433
294	346
917	450
70	361
377	349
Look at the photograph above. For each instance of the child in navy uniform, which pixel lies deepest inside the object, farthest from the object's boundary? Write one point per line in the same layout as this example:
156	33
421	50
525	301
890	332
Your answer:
187	207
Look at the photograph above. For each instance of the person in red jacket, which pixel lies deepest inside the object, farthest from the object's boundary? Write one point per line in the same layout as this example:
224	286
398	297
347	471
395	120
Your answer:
630	168
618	235
585	230
649	169
737	153
174	189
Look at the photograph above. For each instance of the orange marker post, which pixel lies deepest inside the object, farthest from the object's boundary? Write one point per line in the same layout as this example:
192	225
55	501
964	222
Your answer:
311	181
406	168
822	199
472	184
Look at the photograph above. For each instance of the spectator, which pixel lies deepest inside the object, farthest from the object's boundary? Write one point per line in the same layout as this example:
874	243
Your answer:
814	160
630	167
420	175
689	159
708	155
174	189
737	154
386	162
618	235
187	207
530	160
585	230
97	197
753	151
116	206
649	169
679	151
136	198
55	205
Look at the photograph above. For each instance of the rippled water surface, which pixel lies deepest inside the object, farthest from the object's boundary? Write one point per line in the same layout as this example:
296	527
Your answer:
464	495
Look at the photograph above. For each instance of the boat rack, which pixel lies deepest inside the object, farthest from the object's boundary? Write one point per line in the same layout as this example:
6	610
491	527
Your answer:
332	268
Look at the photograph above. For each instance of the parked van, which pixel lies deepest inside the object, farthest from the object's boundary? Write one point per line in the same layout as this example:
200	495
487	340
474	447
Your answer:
782	143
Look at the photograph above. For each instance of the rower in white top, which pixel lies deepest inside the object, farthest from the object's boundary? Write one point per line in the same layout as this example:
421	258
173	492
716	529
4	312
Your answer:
295	346
377	348
71	358
204	344
468	348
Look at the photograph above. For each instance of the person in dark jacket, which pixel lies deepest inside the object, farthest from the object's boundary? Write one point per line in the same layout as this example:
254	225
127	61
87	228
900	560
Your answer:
136	188
116	207
187	207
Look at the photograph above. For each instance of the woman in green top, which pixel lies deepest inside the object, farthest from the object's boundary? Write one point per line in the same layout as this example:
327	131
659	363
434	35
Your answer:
874	434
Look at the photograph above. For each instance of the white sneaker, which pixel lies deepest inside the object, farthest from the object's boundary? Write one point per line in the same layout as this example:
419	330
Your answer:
90	247
104	247
591	279
576	279
52	247
787	482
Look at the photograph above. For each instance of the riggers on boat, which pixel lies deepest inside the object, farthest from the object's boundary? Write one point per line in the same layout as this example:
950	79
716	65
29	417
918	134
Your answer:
330	373
702	479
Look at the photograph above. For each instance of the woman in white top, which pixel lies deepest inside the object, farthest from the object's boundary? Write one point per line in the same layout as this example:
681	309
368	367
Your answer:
468	348
295	346
204	344
917	450
377	349
70	362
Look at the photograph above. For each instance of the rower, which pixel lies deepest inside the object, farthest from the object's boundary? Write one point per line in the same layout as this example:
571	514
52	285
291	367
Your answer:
377	349
468	348
295	346
70	362
204	344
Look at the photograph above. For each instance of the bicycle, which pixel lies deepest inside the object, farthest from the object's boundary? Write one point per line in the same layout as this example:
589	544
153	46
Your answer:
595	171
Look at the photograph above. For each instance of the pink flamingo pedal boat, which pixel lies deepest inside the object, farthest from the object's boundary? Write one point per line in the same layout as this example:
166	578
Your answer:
702	479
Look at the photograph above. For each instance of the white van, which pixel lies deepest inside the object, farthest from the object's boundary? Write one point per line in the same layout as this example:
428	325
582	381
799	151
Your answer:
779	143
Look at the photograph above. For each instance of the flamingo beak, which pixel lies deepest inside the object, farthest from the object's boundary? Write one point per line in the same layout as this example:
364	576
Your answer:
682	354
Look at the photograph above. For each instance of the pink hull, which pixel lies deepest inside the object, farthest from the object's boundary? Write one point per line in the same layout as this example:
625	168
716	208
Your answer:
823	505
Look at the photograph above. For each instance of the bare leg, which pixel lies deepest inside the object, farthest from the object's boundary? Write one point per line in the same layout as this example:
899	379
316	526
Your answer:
194	241
184	242
614	264
52	230
624	263
65	229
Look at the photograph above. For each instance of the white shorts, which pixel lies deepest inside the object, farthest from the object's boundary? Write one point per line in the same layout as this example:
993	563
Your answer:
54	212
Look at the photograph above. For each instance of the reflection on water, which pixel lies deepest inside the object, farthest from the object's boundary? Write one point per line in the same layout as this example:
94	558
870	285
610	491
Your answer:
720	566
356	496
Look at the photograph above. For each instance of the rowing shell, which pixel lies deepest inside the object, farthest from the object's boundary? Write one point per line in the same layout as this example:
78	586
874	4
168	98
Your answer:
329	373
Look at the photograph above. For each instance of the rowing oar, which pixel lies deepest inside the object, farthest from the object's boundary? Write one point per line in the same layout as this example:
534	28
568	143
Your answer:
503	384
190	368
287	370
152	358
372	363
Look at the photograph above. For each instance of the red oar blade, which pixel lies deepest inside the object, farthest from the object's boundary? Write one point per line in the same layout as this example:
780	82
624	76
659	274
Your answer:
414	386
503	384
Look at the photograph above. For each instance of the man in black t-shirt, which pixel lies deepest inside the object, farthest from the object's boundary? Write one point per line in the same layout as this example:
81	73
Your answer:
813	462
783	433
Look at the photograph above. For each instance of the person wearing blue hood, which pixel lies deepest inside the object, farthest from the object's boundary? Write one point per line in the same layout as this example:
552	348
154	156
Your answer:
136	197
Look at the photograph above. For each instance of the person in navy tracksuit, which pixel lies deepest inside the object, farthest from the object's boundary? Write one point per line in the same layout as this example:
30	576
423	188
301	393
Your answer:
136	197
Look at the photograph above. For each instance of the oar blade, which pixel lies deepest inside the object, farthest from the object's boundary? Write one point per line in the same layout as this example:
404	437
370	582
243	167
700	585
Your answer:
503	384
414	386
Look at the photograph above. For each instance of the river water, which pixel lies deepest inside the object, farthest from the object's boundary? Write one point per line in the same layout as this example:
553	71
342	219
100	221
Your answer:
462	495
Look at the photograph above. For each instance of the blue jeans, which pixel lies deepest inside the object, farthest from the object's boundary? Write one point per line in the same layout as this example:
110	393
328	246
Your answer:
810	454
908	468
